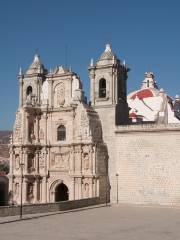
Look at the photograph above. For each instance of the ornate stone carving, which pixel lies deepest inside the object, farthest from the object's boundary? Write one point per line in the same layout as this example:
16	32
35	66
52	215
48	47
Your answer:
84	119
60	94
42	160
86	158
30	194
17	127
30	163
86	190
17	161
41	134
60	160
86	161
16	190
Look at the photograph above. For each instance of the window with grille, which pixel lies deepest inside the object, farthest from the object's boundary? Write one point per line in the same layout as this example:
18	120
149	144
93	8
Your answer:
61	133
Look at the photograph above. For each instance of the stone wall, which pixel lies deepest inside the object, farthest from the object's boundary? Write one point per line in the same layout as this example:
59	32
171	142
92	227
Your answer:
148	164
48	207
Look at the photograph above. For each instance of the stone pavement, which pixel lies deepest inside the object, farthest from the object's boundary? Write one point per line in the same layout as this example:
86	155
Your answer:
126	222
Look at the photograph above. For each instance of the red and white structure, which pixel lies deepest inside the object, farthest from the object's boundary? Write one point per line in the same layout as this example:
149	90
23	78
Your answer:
150	104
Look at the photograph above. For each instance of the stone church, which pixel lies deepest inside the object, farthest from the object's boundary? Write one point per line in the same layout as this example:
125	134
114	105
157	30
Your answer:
65	149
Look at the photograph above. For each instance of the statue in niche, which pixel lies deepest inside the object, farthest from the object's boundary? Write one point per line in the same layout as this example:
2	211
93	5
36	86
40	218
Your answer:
31	163
32	135
33	100
86	190
30	194
41	161
60	94
29	99
41	134
86	161
17	161
16	190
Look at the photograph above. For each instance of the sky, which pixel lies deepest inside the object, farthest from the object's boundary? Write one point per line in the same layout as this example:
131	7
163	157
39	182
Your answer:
146	33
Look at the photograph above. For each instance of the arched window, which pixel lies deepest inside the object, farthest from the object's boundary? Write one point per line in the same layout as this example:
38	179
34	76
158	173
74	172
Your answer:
102	88
61	133
29	90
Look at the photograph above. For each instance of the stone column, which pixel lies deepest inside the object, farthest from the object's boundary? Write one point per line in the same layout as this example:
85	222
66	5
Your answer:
24	190
21	92
24	160
26	127
71	161
91	159
35	191
51	92
92	85
11	160
91	193
80	160
44	190
36	163
45	135
94	160
37	129
78	188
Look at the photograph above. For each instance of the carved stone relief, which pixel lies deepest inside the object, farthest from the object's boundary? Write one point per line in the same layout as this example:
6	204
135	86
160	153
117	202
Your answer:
41	160
84	119
30	194
86	190
17	127
60	160
86	158
17	161
86	161
30	164
60	94
16	190
41	134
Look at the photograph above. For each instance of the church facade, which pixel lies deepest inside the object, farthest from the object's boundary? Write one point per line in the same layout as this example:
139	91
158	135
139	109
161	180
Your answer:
65	149
57	150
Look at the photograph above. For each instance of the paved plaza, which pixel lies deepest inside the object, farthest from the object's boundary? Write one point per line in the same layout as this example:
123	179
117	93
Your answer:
107	223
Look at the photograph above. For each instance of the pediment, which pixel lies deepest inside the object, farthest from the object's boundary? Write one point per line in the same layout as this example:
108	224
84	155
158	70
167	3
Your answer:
60	70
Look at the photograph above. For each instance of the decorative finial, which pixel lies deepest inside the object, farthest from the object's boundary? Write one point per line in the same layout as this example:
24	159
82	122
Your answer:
92	62
108	47
124	63
36	58
20	71
149	75
161	90
177	97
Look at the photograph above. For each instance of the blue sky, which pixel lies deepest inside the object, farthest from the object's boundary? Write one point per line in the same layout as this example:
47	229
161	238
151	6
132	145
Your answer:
145	33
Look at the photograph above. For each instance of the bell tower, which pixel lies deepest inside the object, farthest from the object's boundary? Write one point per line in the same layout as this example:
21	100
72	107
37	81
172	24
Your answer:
31	83
108	87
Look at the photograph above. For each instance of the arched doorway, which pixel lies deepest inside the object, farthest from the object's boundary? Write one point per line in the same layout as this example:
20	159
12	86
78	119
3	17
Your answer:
61	193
